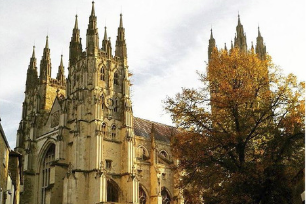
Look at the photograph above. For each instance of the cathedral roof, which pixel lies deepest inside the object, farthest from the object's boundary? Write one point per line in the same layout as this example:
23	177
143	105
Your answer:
144	128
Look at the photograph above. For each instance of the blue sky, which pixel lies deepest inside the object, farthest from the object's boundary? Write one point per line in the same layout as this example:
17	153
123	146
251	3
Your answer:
167	42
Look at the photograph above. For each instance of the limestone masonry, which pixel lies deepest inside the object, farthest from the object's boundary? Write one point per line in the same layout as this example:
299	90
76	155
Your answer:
79	139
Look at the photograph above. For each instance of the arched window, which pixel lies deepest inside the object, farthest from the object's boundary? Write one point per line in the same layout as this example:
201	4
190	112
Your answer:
113	131
142	196
164	153
103	129
143	153
102	74
112	191
165	196
116	78
46	168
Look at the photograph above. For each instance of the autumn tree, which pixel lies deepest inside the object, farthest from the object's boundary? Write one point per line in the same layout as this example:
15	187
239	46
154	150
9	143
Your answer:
242	138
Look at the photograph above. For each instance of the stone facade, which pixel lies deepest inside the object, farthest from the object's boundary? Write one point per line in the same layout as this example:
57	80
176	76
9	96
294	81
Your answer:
9	172
79	139
4	159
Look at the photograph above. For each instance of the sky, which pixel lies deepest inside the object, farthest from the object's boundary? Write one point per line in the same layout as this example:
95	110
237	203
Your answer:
167	42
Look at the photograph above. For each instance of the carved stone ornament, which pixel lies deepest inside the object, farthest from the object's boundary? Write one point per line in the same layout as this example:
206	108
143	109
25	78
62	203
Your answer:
109	102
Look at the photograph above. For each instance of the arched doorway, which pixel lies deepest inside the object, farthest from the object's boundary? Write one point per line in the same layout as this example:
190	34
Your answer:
112	191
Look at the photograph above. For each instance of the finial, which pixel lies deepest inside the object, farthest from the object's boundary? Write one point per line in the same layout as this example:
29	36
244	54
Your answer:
259	34
225	48
93	9
33	54
76	22
105	33
121	24
47	42
239	23
61	63
211	33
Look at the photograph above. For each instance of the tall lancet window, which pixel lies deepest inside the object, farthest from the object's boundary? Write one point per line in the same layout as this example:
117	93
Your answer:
116	78
114	131
142	196
103	129
165	196
45	176
102	74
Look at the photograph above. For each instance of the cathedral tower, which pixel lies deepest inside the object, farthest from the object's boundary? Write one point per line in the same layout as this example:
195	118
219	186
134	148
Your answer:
80	142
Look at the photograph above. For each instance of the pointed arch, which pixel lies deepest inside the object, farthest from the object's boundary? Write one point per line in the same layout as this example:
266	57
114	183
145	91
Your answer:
143	195
48	158
166	198
103	128
114	131
112	191
142	153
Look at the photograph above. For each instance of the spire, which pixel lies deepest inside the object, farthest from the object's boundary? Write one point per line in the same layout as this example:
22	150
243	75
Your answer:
240	37
211	34
45	64
93	8
60	74
211	44
105	34
259	34
106	44
260	46
32	76
75	48
33	53
121	50
76	26
92	37
225	48
47	42
121	23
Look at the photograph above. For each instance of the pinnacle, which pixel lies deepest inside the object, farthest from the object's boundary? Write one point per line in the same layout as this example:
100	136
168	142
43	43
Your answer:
93	9
211	34
47	42
61	64
105	33
33	54
121	23
76	22
259	34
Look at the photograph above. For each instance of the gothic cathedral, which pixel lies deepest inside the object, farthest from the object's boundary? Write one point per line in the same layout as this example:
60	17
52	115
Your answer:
79	139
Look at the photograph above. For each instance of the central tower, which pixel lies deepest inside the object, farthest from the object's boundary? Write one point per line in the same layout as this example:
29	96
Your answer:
99	115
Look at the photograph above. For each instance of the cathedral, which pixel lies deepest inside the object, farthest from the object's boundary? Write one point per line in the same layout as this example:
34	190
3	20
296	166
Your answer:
79	139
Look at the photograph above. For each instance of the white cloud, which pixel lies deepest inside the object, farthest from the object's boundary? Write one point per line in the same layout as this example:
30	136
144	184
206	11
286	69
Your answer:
167	42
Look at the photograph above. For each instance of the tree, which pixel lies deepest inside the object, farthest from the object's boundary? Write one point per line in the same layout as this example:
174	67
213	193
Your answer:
243	132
